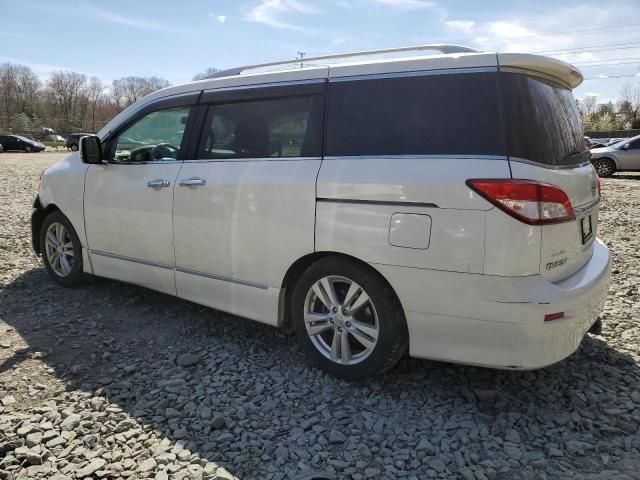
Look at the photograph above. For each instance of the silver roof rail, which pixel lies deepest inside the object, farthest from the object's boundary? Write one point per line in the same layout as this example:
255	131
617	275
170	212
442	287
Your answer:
441	47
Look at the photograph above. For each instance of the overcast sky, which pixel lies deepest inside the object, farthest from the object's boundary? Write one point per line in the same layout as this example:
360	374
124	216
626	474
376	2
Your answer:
176	39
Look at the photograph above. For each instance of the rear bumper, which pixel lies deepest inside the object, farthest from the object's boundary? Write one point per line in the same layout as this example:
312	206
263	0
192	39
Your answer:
499	321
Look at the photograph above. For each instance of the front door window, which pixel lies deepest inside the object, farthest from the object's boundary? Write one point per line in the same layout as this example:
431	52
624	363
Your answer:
156	137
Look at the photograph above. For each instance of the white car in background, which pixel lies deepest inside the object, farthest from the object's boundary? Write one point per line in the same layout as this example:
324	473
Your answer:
442	205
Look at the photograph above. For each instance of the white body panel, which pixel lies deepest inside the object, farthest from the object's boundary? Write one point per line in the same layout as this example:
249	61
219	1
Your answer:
248	224
562	251
126	218
498	321
62	185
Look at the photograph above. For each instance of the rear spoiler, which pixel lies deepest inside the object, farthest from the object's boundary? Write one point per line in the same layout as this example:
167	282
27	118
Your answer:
562	71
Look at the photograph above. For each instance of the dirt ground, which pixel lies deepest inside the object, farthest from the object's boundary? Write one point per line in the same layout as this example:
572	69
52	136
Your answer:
111	380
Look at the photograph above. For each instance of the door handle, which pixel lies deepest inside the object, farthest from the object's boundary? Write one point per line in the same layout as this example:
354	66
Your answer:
193	182
158	183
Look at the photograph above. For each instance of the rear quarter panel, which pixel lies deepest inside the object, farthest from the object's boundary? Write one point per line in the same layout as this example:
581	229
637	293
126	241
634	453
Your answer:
357	197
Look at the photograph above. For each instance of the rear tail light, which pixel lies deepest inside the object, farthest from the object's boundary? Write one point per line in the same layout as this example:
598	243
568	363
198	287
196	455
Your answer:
598	186
529	201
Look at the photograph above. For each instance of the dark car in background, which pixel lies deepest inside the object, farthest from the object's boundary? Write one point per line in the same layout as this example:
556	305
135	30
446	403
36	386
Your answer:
73	141
20	143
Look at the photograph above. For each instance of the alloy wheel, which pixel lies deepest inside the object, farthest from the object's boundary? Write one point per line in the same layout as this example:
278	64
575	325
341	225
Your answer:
341	320
59	249
603	168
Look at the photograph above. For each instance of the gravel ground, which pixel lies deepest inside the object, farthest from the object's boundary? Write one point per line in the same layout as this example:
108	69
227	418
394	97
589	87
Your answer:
115	381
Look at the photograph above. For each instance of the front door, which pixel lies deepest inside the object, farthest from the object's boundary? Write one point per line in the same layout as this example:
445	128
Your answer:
630	157
128	201
244	209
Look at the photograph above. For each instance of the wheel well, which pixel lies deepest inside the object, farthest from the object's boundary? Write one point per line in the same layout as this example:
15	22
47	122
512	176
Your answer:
37	217
296	270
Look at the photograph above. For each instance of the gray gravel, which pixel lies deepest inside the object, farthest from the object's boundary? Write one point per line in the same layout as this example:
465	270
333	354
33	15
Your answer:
115	381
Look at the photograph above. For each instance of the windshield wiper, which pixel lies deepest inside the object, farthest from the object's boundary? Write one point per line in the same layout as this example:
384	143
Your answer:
568	158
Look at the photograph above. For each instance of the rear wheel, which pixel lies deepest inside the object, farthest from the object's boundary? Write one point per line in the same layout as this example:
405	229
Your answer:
604	167
61	250
347	319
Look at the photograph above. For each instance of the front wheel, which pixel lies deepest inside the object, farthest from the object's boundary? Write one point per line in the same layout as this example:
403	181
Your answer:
348	320
74	148
27	149
604	167
61	250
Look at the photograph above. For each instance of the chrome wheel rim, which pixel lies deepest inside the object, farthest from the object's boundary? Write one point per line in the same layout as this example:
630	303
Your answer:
603	169
59	249
341	320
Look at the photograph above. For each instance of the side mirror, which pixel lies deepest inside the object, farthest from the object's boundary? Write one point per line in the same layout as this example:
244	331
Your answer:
91	149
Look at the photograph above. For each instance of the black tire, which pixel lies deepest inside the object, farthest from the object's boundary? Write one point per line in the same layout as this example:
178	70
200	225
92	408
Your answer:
605	167
393	337
27	149
74	147
75	276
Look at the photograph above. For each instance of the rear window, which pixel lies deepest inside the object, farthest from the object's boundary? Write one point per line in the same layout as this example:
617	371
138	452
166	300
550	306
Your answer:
430	114
282	127
542	120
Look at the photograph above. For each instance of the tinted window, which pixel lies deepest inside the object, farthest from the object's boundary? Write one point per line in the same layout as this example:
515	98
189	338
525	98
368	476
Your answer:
542	119
431	114
155	137
284	127
634	145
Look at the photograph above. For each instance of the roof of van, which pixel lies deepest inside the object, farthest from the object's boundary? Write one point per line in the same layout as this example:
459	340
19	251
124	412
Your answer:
558	70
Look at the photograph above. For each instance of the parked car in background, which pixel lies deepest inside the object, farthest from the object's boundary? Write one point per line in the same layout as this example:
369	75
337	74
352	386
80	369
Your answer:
619	157
20	143
598	142
314	196
54	138
73	141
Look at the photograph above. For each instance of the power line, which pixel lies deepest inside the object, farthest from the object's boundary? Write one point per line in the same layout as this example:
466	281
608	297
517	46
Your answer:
596	48
562	32
611	77
623	59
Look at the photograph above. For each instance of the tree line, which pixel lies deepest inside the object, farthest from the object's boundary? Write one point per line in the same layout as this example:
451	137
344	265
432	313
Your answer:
624	114
68	101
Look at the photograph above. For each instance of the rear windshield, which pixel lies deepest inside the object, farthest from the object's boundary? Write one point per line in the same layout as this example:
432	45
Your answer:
542	121
455	114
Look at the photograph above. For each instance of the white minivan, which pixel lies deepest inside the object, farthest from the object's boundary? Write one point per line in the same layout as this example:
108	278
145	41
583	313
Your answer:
441	204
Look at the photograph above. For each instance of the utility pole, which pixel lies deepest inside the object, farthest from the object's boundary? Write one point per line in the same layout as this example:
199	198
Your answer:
301	56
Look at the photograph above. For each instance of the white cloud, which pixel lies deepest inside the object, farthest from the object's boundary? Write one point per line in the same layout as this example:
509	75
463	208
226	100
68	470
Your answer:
407	4
509	30
143	24
219	18
591	94
465	26
270	12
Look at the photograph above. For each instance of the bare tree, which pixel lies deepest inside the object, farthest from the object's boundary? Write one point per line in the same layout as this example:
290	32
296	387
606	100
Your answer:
94	93
208	73
629	105
68	93
128	90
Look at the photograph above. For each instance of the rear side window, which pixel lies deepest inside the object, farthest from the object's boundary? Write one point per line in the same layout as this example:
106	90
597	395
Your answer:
431	114
542	120
280	127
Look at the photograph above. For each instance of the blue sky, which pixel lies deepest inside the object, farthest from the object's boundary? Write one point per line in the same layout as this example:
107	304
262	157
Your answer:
176	39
